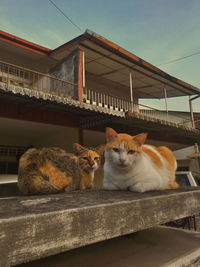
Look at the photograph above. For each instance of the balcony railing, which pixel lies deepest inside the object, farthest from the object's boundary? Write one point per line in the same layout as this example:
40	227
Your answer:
39	84
31	80
108	101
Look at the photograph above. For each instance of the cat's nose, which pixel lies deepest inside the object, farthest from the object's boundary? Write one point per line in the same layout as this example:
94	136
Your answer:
92	163
122	161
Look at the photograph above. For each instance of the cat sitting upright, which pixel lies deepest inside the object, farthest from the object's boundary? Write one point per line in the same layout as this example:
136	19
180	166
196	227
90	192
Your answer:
53	170
131	165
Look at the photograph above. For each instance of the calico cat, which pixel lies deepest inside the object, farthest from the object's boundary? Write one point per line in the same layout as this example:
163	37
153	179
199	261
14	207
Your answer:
53	170
131	165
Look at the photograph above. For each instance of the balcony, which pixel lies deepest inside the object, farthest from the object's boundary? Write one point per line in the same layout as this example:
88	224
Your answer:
18	79
143	111
23	81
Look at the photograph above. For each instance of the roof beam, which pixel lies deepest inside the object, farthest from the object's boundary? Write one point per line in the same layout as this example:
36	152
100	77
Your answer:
110	72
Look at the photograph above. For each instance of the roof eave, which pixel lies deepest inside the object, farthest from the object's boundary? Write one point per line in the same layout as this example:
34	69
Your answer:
136	60
14	40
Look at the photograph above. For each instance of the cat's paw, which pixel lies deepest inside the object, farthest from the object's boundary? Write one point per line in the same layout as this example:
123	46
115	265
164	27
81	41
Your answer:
139	187
109	187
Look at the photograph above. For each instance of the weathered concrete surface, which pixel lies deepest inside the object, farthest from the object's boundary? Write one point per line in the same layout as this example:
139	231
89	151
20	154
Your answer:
153	247
39	226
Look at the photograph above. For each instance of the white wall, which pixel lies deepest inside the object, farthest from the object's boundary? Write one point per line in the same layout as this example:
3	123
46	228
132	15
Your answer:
26	133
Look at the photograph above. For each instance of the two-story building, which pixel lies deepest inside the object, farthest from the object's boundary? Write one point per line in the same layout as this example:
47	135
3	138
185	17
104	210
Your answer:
71	93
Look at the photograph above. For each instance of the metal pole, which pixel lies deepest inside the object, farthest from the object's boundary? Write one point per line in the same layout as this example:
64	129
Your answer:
131	91
191	112
166	101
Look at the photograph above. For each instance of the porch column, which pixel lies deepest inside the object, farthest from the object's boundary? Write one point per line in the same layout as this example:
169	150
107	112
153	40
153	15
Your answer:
191	112
166	107
83	55
131	91
81	74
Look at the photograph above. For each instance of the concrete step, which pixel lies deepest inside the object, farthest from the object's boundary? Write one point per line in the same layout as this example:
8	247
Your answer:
33	227
153	247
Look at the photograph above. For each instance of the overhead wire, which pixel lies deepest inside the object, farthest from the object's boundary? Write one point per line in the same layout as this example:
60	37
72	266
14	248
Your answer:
179	59
79	28
66	16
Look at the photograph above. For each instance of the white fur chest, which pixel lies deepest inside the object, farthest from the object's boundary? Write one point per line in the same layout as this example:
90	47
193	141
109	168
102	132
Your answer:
141	176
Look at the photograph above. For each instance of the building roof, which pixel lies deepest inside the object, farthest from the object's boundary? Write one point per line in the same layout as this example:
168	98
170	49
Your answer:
12	39
106	60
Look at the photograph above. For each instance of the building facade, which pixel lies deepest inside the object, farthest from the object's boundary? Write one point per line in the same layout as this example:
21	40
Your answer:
71	93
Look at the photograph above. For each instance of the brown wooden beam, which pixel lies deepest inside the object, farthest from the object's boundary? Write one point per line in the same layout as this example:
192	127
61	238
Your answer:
31	113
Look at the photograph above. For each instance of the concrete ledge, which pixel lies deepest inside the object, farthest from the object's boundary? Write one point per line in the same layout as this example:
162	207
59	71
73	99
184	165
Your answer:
40	226
153	247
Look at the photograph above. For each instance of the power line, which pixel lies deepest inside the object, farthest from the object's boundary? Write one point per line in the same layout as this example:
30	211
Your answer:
65	16
163	64
178	59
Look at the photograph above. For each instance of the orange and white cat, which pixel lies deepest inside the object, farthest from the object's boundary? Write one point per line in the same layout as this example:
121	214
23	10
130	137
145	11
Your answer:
131	165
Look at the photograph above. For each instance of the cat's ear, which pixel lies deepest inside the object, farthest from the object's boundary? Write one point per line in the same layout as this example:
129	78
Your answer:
140	138
110	134
100	149
77	147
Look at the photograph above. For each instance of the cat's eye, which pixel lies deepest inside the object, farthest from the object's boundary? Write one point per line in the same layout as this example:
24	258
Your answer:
131	151
96	158
116	149
85	158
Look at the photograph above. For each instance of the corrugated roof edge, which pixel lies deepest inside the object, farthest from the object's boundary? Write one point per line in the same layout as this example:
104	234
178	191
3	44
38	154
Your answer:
131	57
24	43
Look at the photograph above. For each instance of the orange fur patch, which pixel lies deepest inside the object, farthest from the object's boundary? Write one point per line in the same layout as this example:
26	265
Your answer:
168	155
173	185
56	177
86	181
155	158
91	153
125	139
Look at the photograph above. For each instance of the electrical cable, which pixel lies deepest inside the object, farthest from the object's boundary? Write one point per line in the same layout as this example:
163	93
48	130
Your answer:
67	17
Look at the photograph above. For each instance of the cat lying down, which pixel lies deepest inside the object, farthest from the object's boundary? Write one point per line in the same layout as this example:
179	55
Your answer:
131	165
53	170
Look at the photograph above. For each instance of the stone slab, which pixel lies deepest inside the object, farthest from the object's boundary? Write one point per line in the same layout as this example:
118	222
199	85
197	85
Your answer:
153	247
33	227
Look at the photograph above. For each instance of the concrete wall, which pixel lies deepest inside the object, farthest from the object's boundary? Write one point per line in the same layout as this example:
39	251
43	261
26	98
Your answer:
26	133
64	138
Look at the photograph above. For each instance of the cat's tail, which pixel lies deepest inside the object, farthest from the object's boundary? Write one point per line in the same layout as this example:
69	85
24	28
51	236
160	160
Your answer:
35	183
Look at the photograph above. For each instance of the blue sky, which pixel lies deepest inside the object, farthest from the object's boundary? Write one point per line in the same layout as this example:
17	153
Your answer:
155	30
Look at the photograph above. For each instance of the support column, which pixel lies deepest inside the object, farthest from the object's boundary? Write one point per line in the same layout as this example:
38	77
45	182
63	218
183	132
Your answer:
81	75
166	101
83	55
131	91
191	109
191	112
